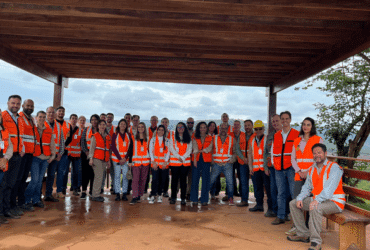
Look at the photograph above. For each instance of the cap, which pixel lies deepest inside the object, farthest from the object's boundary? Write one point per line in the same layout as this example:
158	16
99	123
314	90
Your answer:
258	124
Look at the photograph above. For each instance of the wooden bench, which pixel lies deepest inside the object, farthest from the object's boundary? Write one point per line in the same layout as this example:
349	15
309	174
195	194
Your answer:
353	220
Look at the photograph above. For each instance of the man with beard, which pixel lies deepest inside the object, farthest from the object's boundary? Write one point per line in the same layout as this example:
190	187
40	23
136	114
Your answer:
111	130
11	122
29	141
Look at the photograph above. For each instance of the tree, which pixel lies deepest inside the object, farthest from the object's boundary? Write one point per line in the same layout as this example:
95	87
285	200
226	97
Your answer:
348	117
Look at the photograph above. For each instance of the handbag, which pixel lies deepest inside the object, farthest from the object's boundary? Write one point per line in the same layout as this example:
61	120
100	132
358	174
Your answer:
129	174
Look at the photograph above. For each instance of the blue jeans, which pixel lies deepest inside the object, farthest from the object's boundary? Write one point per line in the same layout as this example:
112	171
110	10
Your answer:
60	167
202	169
117	177
38	169
284	179
1	175
227	169
244	182
274	191
76	177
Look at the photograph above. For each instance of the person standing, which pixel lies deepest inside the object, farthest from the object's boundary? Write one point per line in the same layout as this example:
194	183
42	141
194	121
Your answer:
282	151
202	150
324	182
6	152
11	123
239	137
87	170
216	187
269	168
99	157
180	149
159	155
260	180
150	132
190	127
122	146
81	122
225	120
111	130
44	154
169	135
223	158
29	142
140	162
135	124
73	145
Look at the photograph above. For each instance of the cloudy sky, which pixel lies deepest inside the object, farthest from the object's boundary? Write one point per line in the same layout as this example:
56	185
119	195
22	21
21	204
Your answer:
175	101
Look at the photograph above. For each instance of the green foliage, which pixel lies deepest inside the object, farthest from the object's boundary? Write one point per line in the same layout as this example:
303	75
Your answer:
347	83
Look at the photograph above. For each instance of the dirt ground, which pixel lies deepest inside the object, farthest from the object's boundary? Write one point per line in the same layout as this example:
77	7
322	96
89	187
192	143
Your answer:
80	224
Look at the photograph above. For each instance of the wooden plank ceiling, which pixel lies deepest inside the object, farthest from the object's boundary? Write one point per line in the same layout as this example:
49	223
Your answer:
228	42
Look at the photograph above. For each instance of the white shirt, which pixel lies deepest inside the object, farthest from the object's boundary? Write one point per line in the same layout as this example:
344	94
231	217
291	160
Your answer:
152	145
189	149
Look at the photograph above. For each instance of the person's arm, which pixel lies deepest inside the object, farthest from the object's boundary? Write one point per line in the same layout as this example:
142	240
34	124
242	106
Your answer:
250	155
331	184
61	140
83	141
208	149
114	147
189	149
267	153
9	151
293	160
173	150
53	148
306	189
195	147
92	148
167	156
272	153
151	148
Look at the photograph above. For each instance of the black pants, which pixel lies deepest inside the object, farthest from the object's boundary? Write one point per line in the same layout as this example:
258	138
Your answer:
87	173
260	180
159	179
236	166
8	182
147	181
20	184
179	173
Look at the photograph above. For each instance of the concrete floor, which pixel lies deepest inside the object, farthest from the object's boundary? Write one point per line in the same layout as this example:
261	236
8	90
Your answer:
80	224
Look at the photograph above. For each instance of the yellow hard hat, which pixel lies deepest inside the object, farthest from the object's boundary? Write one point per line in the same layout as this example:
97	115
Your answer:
258	124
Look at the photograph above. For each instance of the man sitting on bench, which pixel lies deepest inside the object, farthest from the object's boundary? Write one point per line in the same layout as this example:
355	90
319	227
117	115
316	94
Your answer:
324	181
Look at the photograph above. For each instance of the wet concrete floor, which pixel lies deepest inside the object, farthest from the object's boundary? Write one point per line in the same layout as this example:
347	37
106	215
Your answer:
81	224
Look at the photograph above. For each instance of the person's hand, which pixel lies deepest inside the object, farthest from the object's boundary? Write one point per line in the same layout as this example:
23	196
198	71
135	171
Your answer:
313	205
59	156
22	153
91	162
3	163
86	153
165	164
122	161
51	159
108	165
195	164
155	165
251	172
303	175
267	172
245	161
180	159
299	204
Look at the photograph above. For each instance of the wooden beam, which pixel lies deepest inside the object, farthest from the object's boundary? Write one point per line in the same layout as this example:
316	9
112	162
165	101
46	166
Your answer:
59	91
21	61
271	108
349	47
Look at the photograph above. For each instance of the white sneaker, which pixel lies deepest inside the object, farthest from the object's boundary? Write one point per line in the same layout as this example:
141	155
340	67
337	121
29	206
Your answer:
159	199
152	200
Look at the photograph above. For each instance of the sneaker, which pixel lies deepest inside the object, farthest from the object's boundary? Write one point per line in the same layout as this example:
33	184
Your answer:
152	200
314	246
256	208
17	212
298	238
292	231
183	202
99	198
39	204
118	197
149	197
225	198
83	196
166	195
242	204
270	213
138	199
124	197
133	201
51	198
11	215
278	221
160	199
231	202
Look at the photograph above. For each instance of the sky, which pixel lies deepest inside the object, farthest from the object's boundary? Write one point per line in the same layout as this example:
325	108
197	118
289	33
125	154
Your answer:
175	101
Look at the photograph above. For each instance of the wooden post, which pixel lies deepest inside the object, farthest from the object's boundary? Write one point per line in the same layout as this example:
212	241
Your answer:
59	90
271	107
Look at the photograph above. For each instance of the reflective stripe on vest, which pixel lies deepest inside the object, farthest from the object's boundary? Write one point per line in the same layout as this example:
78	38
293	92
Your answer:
5	138
181	149
46	137
282	152
74	147
219	155
14	132
102	147
207	157
258	154
122	146
140	157
160	157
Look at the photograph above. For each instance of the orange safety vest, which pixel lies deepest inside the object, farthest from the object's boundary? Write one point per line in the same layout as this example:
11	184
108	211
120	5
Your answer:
102	147
89	134
28	135
305	158
242	145
149	133
318	183
258	154
229	130
207	157
57	131
14	131
282	153
5	138
170	134
112	130
140	156
46	137
222	151
160	152
74	147
180	148
122	146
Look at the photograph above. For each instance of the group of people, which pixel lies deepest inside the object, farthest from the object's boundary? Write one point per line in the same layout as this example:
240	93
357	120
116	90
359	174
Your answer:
290	166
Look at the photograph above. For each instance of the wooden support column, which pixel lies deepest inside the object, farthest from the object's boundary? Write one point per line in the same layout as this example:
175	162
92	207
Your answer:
59	90
271	107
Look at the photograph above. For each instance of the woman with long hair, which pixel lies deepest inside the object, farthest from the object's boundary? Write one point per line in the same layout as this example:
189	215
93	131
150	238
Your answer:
121	155
159	155
216	188
202	151
99	156
180	148
140	163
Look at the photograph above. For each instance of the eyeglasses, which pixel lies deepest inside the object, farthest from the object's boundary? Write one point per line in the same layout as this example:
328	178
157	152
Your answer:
257	129
190	122
181	127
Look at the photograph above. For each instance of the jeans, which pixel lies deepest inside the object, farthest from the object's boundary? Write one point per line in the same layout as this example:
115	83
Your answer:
179	173
21	185
216	187
76	177
203	169
284	179
159	178
260	180
227	169
117	177
60	167
273	189
1	175
38	169
244	182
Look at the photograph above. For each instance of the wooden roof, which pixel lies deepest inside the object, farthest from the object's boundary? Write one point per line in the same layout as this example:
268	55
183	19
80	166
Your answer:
230	42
